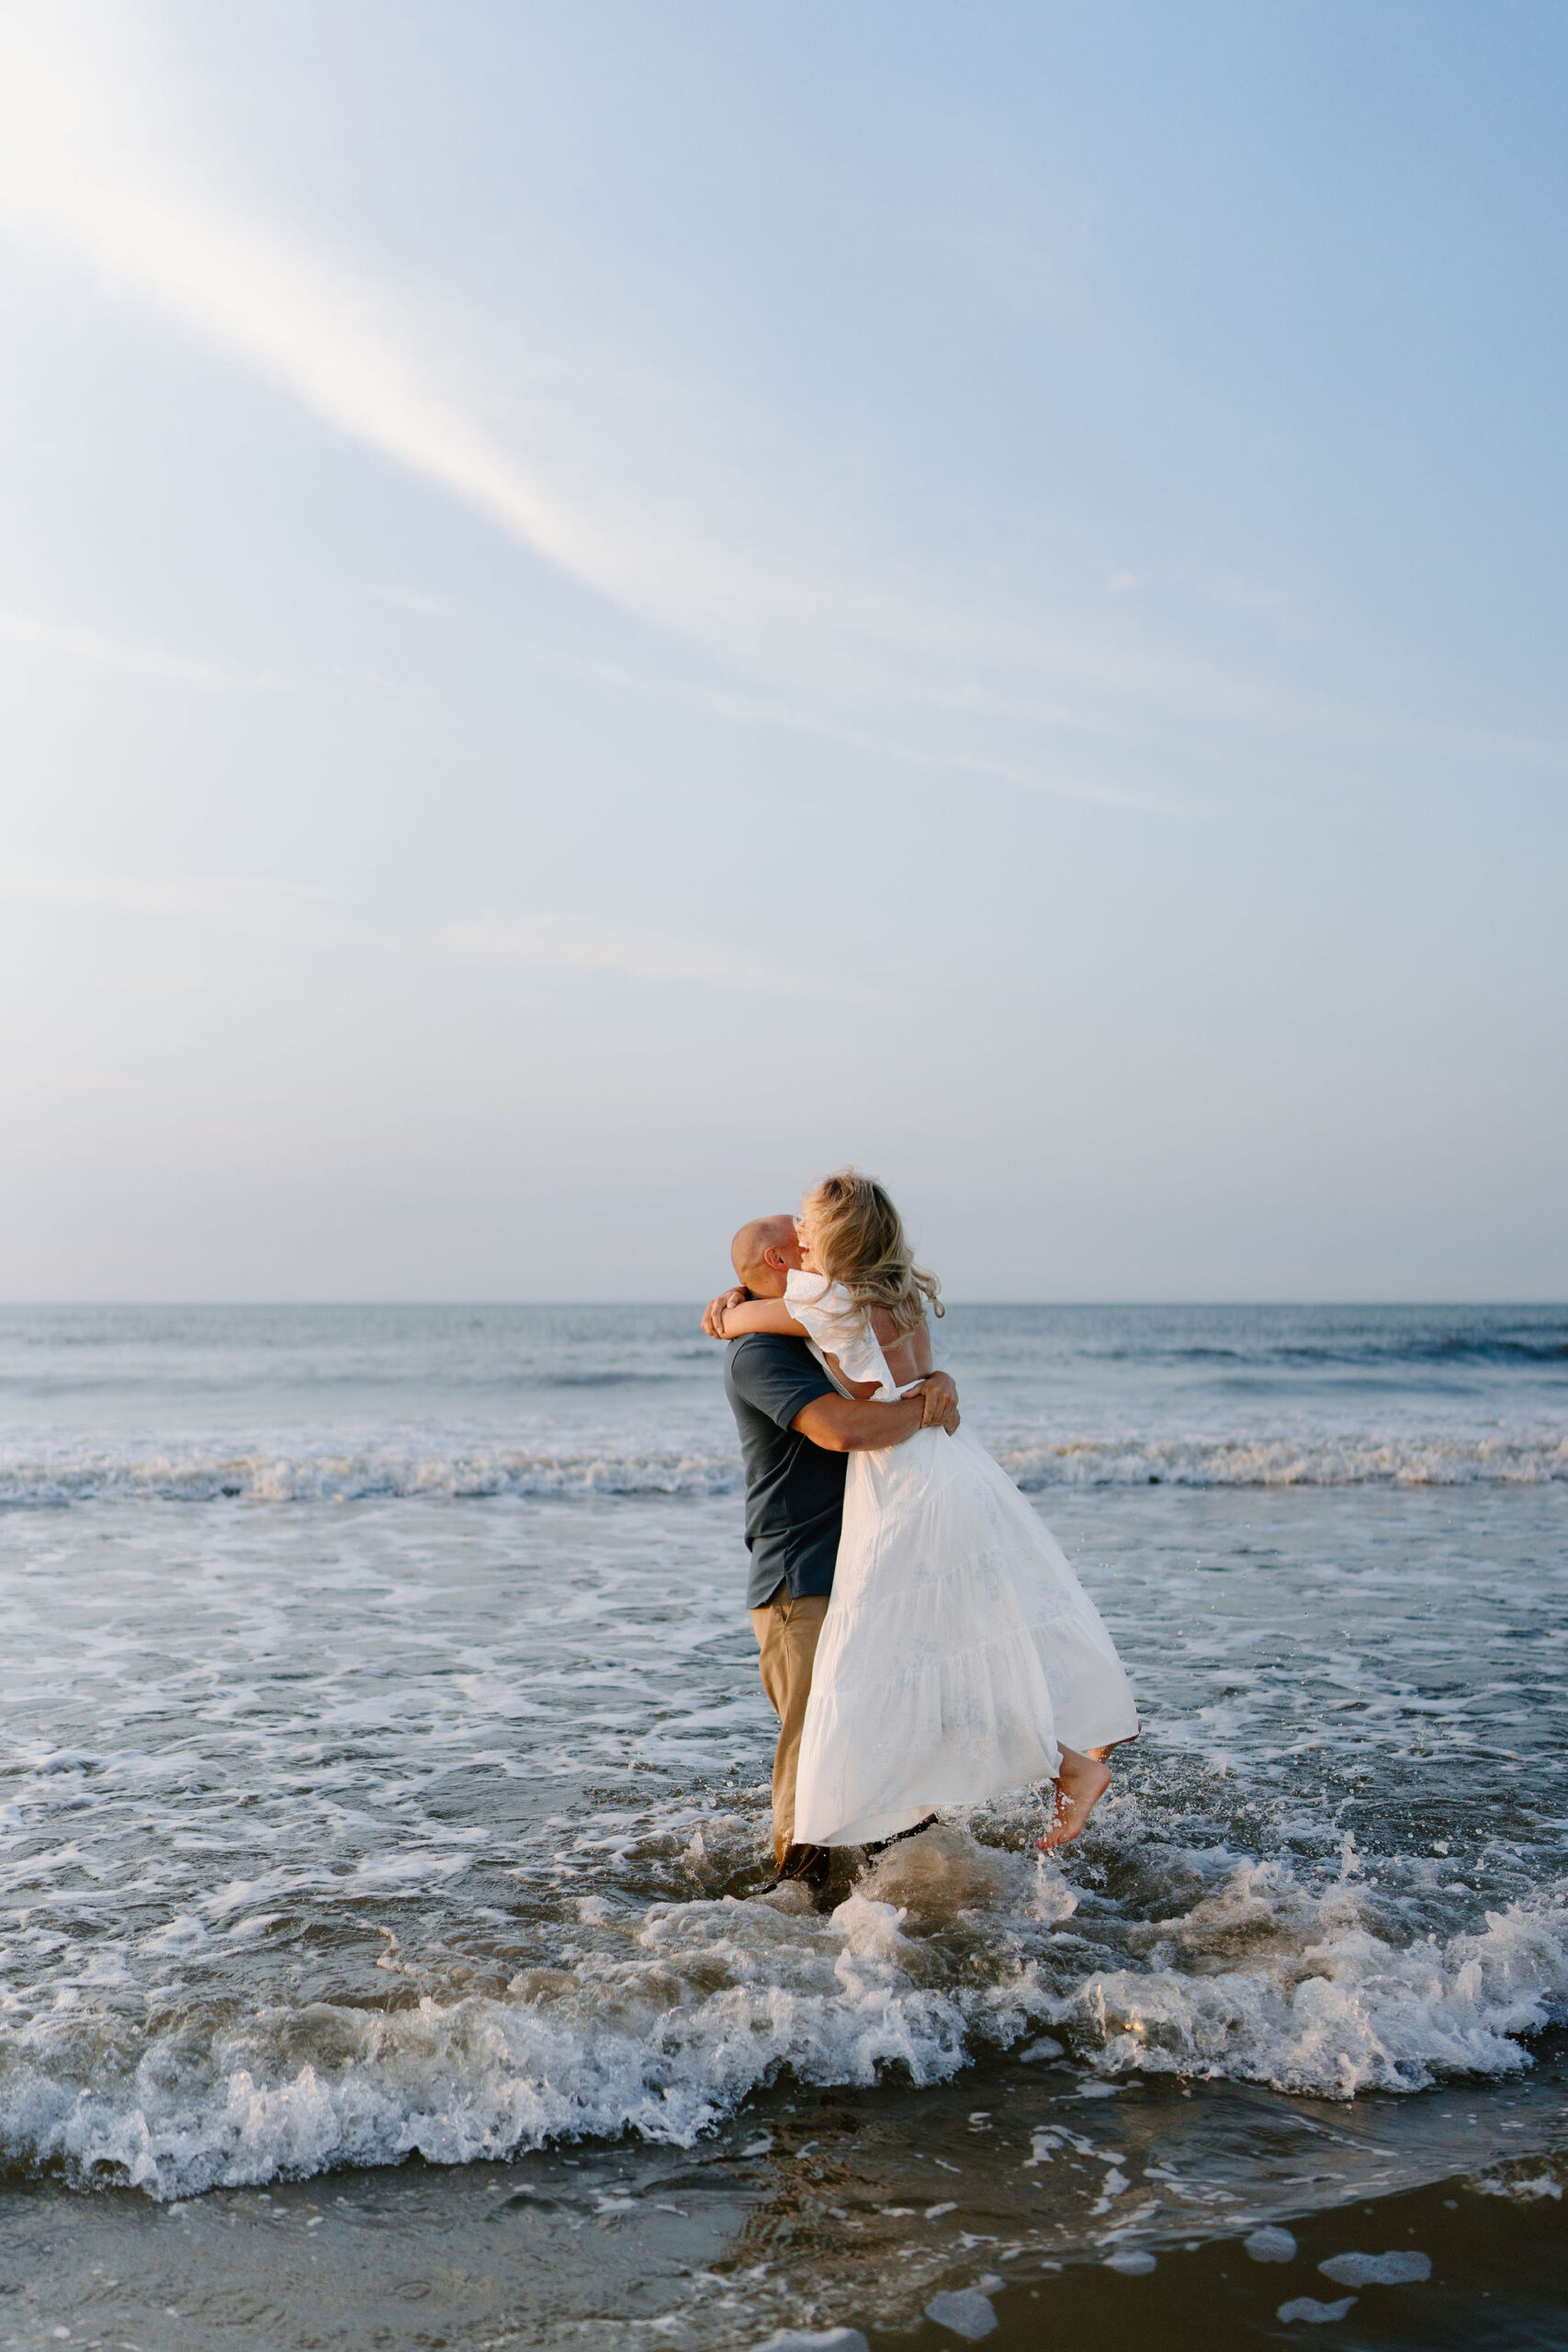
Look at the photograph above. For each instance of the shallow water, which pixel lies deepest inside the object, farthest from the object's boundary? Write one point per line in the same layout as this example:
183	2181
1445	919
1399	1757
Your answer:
384	1759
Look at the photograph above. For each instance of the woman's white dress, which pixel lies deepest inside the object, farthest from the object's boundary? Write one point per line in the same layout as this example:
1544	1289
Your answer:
958	1648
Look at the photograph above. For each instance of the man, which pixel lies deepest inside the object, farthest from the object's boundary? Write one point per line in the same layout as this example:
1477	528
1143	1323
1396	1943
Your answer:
795	1431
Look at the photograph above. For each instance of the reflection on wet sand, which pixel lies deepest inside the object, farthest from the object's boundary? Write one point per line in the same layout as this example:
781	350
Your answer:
857	2208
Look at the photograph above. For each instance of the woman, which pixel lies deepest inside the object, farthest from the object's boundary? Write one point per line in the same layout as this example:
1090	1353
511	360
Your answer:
959	1657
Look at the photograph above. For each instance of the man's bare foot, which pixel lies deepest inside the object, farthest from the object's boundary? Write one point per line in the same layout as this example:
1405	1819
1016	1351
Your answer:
1081	1784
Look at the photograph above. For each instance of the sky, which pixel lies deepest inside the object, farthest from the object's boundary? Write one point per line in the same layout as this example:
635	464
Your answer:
605	607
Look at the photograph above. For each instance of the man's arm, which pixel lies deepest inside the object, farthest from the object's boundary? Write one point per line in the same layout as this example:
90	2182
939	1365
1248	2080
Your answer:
733	1320
840	1425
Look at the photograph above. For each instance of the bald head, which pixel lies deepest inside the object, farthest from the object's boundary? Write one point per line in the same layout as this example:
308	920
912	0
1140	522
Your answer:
763	1253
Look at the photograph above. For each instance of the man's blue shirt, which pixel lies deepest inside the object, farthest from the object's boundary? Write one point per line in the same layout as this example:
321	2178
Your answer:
795	1491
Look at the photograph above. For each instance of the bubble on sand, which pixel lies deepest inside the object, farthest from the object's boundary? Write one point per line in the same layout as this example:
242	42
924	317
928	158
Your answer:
1131	2263
1270	2245
1377	2269
965	2313
1314	2313
805	2339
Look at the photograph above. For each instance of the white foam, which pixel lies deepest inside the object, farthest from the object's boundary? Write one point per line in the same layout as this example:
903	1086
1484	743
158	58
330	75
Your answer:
1323	2002
827	2339
644	2043
670	2024
205	1471
1526	2187
1354	1458
438	1464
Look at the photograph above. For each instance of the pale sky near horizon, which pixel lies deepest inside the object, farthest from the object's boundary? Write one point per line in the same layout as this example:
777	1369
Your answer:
605	605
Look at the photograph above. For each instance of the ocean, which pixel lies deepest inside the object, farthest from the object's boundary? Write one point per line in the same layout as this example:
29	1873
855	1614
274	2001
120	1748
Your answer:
383	1769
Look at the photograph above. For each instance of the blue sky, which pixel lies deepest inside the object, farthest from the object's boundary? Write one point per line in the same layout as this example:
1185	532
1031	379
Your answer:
606	606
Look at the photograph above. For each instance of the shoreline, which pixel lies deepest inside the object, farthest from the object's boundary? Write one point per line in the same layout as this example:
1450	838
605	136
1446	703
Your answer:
807	2212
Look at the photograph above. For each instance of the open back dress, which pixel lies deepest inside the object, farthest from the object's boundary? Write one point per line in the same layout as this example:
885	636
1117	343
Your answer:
959	1651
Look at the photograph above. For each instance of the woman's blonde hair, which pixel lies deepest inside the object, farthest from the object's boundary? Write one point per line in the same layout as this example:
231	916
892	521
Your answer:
860	1242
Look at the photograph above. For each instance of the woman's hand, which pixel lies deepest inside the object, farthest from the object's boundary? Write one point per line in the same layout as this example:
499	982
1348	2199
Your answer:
713	1313
938	1402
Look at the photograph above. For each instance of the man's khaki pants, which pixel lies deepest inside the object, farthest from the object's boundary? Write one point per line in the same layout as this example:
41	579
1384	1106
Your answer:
786	1632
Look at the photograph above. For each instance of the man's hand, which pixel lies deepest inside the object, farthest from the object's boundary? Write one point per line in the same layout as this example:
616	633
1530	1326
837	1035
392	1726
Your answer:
846	1425
713	1313
938	1400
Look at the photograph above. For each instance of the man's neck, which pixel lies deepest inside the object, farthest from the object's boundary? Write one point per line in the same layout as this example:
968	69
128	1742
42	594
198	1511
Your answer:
766	1284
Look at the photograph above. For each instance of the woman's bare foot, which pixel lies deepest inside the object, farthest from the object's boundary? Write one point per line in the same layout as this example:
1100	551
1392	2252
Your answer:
1082	1781
1100	1754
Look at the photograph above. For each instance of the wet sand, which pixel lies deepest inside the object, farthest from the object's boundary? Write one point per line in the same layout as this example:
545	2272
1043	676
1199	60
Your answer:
843	2209
1499	2279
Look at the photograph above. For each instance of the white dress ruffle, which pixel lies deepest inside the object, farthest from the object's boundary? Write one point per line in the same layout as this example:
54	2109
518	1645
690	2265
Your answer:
959	1647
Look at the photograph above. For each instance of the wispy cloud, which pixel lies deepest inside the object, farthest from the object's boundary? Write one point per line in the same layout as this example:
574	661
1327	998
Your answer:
243	902
580	943
1042	777
698	547
379	364
413	600
305	914
659	496
48	637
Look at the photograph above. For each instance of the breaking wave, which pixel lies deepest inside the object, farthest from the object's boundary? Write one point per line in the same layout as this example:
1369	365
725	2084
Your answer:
679	2010
204	1472
1365	1459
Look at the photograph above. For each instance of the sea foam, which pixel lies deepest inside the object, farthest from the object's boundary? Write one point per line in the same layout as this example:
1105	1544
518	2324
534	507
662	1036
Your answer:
684	2009
206	1471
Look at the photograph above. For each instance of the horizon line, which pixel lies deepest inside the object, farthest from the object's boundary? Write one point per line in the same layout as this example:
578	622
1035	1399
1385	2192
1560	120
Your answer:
10	1306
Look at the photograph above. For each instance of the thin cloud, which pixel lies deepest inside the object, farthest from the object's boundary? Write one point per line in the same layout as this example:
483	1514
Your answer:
412	600
261	907
56	640
580	943
754	710
352	348
536	440
112	653
233	901
406	376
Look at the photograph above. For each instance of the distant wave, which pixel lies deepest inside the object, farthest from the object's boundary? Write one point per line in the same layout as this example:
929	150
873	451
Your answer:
1392	1348
199	1475
208	1473
1368	1460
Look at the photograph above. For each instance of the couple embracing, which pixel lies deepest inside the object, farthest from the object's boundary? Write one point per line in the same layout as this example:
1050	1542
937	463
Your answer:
923	1640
